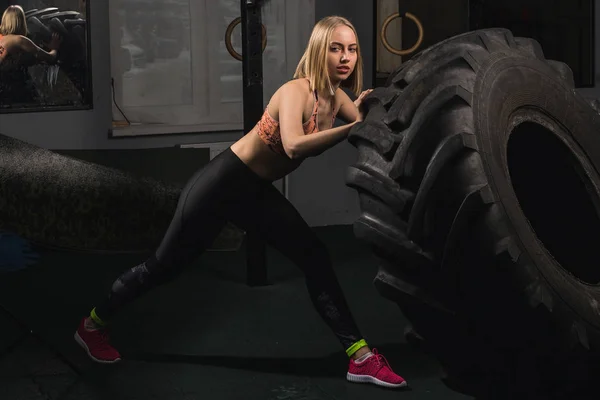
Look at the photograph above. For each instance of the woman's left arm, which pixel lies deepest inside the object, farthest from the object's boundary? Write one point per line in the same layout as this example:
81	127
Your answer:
349	110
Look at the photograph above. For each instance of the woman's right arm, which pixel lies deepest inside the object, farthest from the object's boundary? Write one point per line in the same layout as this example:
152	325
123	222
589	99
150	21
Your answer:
316	143
296	144
27	45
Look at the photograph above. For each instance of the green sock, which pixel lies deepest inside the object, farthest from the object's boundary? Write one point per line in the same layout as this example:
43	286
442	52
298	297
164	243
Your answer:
96	318
352	349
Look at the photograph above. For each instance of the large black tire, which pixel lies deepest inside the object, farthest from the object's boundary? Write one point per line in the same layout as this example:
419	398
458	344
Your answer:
488	251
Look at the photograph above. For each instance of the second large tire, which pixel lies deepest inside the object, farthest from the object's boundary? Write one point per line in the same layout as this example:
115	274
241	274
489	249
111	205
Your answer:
478	179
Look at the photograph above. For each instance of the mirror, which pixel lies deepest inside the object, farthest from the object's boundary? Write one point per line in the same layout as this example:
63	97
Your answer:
44	56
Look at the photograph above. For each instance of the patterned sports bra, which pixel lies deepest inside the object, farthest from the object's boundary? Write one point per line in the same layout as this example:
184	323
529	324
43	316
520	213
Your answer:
269	132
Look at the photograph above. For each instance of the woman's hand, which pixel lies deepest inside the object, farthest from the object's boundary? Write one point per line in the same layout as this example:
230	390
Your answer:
358	102
54	43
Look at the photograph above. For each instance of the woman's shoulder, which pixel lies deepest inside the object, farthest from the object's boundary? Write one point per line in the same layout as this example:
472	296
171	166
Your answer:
341	96
13	36
296	88
301	85
17	39
11	42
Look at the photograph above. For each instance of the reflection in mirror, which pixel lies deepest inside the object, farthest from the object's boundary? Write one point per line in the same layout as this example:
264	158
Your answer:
44	55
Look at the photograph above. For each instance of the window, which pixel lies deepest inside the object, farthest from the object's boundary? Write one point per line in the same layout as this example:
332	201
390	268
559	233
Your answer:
172	72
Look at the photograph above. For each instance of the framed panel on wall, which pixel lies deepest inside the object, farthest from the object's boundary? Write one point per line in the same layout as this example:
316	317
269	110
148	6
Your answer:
45	57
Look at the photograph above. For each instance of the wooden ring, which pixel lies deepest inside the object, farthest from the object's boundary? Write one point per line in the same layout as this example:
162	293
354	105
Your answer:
228	33
388	46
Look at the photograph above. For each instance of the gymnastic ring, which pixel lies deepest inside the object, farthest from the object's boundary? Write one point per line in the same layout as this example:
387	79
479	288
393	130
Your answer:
389	46
228	33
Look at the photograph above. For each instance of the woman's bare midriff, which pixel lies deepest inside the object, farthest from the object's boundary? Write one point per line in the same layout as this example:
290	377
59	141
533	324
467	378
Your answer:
261	159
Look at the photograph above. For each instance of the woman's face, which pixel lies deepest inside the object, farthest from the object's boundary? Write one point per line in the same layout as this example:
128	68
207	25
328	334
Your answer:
342	54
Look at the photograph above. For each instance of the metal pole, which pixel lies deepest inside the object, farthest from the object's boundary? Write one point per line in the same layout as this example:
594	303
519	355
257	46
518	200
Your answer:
253	107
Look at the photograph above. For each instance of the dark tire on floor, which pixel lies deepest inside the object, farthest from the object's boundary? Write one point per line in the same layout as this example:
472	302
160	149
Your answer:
478	179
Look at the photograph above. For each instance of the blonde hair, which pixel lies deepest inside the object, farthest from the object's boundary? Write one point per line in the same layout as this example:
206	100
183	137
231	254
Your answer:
313	64
13	22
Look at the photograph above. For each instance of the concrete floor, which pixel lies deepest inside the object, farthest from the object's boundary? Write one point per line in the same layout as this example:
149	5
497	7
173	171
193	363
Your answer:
205	336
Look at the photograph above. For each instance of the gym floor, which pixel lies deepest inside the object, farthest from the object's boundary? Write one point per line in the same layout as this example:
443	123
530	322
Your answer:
206	335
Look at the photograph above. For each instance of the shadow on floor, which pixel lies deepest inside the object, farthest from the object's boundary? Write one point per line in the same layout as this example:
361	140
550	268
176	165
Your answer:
205	335
329	366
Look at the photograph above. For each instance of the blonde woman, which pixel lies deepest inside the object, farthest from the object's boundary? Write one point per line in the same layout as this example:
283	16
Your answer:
15	82
14	40
237	186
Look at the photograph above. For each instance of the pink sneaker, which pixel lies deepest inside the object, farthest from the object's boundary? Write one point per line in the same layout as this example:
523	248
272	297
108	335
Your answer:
96	344
374	369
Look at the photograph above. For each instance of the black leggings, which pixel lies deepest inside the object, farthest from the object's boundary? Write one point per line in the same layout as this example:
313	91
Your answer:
228	190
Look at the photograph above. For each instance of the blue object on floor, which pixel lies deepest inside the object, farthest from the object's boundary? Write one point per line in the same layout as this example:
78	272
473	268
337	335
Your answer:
15	253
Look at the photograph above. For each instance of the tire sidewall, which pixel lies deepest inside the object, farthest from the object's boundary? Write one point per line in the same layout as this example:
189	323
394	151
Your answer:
513	89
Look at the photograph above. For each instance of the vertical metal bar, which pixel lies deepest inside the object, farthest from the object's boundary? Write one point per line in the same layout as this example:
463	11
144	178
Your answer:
256	262
404	40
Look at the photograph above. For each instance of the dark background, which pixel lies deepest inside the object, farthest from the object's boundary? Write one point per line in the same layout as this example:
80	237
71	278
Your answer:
564	28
